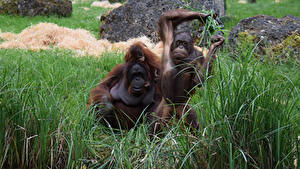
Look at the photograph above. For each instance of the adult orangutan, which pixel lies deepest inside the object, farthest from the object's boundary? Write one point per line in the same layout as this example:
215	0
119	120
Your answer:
129	89
183	66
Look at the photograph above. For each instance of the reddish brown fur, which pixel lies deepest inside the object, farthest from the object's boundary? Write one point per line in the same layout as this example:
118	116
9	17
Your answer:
116	112
178	81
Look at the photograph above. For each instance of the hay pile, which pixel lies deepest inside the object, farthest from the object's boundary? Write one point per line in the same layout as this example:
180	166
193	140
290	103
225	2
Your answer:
242	1
49	35
105	4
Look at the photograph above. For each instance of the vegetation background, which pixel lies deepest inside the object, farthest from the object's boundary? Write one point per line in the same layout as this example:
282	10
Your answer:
249	109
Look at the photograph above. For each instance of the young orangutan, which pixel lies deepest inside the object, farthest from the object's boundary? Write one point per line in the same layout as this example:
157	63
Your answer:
183	66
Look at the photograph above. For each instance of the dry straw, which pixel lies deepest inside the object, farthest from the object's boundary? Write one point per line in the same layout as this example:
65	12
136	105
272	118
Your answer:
49	35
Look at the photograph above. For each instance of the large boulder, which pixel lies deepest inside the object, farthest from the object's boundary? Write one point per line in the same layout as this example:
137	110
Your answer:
139	17
36	7
276	36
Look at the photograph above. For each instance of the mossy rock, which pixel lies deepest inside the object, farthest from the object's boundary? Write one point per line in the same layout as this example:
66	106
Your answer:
245	37
36	7
290	47
9	7
273	36
292	41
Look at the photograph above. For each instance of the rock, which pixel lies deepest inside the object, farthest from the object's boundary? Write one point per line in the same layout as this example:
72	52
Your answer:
36	7
271	33
114	1
252	1
139	17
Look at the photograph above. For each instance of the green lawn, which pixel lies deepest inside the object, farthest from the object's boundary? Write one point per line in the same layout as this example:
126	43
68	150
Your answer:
248	110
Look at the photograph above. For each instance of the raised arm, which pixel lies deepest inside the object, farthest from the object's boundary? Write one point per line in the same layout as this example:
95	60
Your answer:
169	20
167	24
204	65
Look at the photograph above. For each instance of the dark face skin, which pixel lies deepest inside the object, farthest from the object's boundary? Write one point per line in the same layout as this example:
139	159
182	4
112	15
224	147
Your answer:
136	77
181	47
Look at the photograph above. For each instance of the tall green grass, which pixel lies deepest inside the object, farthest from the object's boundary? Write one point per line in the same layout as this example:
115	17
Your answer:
249	114
248	110
43	98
